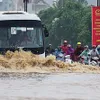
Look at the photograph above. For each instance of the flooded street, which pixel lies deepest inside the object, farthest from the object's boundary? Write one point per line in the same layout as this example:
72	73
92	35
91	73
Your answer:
49	50
50	86
20	78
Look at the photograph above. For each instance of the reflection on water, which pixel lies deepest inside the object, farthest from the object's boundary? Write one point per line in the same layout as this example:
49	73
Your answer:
49	87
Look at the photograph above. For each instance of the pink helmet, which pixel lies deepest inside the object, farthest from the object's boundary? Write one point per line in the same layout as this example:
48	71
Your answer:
69	45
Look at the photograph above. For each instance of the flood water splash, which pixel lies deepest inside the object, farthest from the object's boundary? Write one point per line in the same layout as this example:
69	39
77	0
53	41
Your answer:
28	62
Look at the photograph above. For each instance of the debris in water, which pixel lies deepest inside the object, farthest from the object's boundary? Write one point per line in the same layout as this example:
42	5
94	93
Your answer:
27	62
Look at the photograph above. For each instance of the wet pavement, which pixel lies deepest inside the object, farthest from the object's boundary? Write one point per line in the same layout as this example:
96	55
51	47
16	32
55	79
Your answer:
70	86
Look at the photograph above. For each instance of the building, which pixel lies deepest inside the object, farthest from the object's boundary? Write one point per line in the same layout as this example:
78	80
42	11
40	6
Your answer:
6	5
34	6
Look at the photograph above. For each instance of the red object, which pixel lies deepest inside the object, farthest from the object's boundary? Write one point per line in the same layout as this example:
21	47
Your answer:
94	46
95	26
64	48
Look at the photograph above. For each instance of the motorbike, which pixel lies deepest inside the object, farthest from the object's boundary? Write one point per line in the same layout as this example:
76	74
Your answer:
84	60
60	57
94	61
65	58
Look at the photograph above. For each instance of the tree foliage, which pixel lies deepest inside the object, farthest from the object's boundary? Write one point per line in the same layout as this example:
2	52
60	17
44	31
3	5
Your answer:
70	21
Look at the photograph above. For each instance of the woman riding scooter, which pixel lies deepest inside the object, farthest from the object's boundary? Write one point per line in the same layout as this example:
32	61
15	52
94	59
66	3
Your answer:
94	55
84	55
70	51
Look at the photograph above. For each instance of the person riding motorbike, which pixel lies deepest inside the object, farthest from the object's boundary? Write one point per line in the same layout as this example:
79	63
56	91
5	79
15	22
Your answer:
78	51
98	49
49	50
94	54
70	51
57	51
84	55
64	47
59	54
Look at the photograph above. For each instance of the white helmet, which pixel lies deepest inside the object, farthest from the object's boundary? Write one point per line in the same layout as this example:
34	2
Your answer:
98	46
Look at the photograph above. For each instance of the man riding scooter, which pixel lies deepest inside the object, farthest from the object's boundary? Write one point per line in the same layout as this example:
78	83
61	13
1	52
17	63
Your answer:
78	51
49	50
94	56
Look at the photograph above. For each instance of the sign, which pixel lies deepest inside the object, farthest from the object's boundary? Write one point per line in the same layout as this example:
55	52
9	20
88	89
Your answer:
13	30
96	26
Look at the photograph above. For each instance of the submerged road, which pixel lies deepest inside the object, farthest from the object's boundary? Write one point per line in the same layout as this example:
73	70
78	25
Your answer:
50	87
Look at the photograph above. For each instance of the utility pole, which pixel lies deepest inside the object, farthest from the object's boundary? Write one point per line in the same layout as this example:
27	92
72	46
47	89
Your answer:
98	2
25	4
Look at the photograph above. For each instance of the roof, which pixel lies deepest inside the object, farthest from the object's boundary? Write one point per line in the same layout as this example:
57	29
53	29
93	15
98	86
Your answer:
17	15
42	1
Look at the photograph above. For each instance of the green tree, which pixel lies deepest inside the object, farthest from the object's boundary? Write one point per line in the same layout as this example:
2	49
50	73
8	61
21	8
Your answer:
71	22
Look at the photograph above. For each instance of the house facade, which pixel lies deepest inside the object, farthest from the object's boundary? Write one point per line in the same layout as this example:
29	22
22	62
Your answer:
34	6
6	5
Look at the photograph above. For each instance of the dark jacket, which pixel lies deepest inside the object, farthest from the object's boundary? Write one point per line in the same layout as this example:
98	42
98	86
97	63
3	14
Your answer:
78	51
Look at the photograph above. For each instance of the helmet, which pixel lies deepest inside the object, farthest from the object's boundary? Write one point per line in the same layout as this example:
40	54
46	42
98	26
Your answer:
69	45
50	44
78	43
86	46
65	41
56	49
98	46
94	46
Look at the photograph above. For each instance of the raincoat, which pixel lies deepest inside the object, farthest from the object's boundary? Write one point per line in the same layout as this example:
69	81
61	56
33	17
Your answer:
64	48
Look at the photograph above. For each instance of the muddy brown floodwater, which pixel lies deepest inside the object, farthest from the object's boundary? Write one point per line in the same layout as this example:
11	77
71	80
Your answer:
20	78
70	86
27	62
